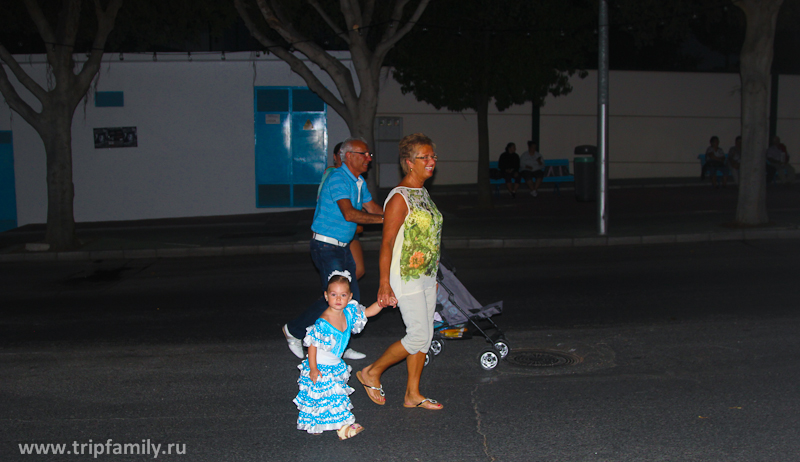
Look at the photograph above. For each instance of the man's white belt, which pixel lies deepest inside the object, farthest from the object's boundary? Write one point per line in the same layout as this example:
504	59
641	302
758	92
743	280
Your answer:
328	240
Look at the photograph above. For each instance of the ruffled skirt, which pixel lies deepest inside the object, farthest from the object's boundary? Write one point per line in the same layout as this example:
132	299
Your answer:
324	405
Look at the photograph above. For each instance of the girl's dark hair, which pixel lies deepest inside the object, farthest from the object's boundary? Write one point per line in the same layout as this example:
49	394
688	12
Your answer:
509	145
338	278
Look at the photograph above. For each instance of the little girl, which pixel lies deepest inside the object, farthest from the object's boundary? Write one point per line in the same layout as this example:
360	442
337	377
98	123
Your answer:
322	401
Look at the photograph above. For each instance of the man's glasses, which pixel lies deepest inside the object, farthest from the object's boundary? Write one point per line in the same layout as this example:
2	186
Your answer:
368	154
425	158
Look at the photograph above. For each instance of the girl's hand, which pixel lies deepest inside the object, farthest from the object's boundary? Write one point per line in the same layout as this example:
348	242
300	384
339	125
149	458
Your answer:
372	310
314	375
386	296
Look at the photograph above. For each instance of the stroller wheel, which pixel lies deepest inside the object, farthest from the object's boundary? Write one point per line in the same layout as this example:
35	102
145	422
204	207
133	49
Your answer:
489	359
436	346
428	359
502	347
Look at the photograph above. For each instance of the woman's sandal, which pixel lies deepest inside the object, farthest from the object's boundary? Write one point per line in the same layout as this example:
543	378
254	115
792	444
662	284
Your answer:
367	388
432	405
349	431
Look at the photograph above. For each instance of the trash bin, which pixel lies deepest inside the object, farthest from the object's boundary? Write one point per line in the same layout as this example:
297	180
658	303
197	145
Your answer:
586	150
585	172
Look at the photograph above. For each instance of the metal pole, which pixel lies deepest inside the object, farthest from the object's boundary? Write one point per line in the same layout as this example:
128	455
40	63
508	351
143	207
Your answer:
602	120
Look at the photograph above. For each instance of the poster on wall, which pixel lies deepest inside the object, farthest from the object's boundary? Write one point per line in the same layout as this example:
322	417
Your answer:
116	137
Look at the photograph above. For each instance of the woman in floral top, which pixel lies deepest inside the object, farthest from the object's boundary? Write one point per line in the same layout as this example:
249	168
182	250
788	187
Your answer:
409	261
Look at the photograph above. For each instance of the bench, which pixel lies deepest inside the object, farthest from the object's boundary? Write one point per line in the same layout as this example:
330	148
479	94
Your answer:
720	173
551	175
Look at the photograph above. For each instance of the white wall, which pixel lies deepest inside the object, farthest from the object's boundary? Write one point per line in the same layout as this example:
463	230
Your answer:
196	144
196	139
658	123
456	133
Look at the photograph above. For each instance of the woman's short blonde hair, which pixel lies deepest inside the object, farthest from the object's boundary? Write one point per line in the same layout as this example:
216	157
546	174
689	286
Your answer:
409	146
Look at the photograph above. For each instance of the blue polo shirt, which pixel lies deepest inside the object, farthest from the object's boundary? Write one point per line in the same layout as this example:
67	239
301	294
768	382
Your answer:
328	218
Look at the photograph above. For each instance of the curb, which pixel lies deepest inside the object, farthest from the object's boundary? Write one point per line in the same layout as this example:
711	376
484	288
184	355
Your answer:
453	243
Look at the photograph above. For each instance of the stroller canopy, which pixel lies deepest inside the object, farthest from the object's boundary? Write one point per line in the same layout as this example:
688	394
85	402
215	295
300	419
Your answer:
452	295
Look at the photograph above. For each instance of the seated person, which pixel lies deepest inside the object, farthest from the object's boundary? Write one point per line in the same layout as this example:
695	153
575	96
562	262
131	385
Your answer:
777	158
735	159
509	167
715	162
531	166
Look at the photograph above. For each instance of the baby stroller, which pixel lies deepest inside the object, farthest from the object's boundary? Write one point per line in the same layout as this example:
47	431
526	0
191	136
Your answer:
460	316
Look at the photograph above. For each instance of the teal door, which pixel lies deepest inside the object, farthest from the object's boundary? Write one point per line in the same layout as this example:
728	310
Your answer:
291	145
8	192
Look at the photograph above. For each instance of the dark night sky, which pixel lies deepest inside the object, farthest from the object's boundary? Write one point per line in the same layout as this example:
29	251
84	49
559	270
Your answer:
690	55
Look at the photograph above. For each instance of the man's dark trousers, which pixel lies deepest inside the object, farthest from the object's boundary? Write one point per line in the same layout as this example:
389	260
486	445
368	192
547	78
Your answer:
327	258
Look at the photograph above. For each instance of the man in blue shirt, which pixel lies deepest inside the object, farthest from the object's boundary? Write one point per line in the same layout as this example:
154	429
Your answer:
344	202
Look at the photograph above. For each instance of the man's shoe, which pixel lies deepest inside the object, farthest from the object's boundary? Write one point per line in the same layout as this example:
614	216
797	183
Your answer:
294	343
353	354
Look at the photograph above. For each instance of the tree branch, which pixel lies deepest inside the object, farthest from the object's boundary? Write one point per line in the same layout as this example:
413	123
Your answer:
45	31
351	11
68	22
329	21
369	11
105	24
339	74
252	27
274	9
390	38
278	22
26	81
359	51
16	103
314	84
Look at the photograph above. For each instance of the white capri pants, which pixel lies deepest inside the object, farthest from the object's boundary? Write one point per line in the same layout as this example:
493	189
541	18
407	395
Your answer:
417	310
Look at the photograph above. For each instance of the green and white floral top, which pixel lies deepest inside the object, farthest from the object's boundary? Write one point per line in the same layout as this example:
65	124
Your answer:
415	256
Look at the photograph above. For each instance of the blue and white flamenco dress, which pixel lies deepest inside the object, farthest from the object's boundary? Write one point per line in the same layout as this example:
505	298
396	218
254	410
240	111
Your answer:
325	405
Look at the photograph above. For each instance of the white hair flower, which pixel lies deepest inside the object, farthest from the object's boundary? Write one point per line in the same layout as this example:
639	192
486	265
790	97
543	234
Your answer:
344	273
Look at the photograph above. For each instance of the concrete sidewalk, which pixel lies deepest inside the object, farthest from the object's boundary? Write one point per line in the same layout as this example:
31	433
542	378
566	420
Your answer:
640	212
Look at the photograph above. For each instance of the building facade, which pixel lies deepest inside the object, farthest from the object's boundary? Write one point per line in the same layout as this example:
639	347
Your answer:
173	135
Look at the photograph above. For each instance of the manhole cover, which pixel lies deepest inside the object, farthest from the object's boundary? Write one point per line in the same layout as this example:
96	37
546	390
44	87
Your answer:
541	358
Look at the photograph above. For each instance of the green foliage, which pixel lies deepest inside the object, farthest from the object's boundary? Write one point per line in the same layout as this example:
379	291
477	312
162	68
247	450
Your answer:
513	51
716	24
665	27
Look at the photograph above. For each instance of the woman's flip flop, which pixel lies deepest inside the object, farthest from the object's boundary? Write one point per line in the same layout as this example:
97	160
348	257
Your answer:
349	431
367	388
432	405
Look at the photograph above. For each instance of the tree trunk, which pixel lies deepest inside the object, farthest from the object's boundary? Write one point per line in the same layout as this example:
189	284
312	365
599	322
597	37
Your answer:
358	109
484	188
755	66
54	122
363	125
57	137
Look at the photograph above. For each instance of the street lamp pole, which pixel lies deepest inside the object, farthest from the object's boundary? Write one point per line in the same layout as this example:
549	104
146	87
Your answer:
602	120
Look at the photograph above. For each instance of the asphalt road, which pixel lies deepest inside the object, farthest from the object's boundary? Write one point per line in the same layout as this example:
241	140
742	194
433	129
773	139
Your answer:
685	352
